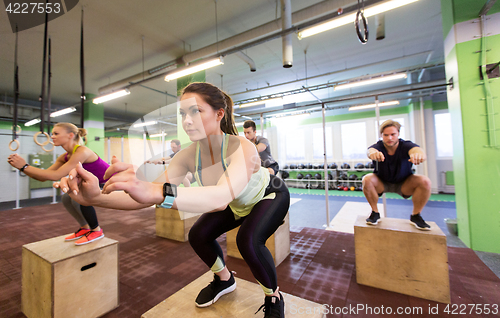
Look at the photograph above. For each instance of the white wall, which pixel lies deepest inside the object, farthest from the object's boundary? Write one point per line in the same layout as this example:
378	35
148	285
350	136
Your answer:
8	186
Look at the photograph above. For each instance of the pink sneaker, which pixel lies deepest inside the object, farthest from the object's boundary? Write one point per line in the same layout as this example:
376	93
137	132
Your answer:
91	236
75	236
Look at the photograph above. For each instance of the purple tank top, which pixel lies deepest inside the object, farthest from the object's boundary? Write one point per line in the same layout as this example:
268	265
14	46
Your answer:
97	168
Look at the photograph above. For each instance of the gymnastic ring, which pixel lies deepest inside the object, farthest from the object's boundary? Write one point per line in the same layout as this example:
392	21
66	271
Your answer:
363	38
35	137
10	143
50	143
18	128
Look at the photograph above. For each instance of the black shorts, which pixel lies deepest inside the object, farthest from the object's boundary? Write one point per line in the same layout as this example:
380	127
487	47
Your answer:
275	167
394	188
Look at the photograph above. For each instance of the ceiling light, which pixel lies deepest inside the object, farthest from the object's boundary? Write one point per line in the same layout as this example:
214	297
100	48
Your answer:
371	81
32	122
148	123
260	102
63	112
296	114
157	135
349	18
108	97
193	68
391	103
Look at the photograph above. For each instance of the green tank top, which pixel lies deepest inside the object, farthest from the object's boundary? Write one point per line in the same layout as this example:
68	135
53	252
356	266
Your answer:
252	193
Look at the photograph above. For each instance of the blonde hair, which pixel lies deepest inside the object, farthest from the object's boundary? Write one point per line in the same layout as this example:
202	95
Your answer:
79	132
389	123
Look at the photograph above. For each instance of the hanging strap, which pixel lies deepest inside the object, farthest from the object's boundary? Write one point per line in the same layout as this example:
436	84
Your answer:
16	91
42	96
49	99
82	77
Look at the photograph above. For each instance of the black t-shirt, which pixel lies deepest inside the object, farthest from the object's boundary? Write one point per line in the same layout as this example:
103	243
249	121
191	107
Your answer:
395	168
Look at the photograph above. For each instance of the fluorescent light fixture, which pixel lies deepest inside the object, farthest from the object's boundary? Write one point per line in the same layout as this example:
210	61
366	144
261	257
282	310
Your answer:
108	97
63	112
391	103
349	18
193	68
259	102
147	123
295	114
32	122
157	135
375	80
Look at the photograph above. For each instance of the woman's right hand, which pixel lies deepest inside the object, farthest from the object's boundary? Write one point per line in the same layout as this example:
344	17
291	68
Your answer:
81	185
122	177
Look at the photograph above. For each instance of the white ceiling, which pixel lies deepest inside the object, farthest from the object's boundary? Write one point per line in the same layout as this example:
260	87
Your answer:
117	30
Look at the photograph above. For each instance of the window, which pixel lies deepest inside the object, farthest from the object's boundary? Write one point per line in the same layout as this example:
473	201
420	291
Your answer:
295	145
353	140
318	148
444	141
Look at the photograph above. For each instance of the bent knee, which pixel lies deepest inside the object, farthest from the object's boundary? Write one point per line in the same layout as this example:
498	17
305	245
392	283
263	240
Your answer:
424	182
369	179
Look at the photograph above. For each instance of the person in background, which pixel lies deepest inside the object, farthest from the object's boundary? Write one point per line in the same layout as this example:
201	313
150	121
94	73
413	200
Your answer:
393	158
262	145
70	138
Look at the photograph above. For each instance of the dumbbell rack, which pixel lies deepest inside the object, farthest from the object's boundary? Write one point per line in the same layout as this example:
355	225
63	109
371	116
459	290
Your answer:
319	183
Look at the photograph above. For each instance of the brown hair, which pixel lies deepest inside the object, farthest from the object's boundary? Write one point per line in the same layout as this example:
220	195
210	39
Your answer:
176	141
249	123
389	123
79	132
217	99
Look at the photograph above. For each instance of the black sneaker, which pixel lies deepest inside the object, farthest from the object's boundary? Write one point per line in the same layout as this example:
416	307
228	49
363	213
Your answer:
273	307
419	222
215	290
374	218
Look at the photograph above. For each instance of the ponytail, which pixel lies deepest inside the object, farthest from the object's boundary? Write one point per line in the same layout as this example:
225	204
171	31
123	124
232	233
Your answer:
78	132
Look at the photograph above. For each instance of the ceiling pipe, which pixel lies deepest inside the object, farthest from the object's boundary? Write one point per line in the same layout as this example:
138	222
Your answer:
137	77
325	10
247	59
286	23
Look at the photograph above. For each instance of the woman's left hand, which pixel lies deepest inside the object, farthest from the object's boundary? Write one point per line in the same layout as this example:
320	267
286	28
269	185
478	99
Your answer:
16	161
122	176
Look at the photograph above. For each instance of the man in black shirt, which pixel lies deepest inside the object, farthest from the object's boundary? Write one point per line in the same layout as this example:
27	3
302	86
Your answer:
262	145
393	158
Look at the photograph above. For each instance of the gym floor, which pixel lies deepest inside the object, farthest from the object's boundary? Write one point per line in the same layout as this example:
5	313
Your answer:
320	268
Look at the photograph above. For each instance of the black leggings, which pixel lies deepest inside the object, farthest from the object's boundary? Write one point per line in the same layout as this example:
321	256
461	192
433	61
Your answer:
90	215
264	219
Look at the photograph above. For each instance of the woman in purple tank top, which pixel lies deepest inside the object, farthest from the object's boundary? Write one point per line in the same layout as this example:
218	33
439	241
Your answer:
70	138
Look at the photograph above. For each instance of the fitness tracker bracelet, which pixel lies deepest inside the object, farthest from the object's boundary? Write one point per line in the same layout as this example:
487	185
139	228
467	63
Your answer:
170	193
24	167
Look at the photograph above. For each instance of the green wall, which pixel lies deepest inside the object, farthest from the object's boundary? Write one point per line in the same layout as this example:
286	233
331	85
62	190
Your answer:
476	166
94	117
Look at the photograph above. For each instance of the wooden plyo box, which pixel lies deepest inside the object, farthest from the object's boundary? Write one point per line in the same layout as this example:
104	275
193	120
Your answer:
174	224
395	256
278	243
60	279
241	303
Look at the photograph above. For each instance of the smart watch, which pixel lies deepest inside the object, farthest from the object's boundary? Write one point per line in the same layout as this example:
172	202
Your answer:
170	193
24	167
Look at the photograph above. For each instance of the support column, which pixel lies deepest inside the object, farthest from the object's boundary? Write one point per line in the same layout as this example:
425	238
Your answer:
475	162
94	123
